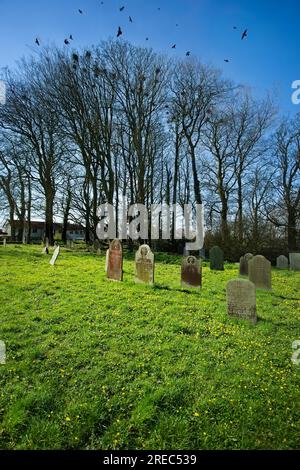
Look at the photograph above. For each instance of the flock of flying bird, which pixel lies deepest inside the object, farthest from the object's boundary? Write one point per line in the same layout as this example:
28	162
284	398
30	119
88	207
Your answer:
120	32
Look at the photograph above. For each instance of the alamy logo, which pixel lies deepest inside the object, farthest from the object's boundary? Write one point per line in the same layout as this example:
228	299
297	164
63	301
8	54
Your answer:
296	93
2	353
2	92
140	222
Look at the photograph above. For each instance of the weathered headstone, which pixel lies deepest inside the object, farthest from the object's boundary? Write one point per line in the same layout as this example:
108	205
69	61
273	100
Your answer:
260	272
45	251
244	260
115	261
4	241
106	260
2	352
144	265
241	299
55	255
294	261
216	257
191	272
96	245
282	262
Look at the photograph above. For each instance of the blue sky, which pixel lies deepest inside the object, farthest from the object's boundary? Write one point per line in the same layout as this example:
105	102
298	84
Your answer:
267	60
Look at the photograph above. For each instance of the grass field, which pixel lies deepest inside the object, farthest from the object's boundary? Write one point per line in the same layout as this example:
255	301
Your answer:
94	364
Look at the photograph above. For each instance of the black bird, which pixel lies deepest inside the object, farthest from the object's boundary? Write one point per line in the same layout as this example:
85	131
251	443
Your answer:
130	19
66	42
37	41
157	71
88	55
226	60
119	32
80	11
71	37
174	46
188	53
75	57
234	27
245	34
147	39
122	8
177	24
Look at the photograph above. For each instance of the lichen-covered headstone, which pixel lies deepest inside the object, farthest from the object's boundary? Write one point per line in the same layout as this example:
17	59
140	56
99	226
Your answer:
244	260
2	353
216	257
241	299
144	265
191	272
282	262
55	255
294	261
260	272
115	261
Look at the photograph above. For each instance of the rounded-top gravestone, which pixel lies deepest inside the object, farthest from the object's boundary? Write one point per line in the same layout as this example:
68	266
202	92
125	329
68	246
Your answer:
244	260
260	272
216	257
115	261
144	265
191	272
282	262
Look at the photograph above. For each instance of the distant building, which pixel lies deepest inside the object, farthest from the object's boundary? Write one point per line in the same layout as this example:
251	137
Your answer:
74	231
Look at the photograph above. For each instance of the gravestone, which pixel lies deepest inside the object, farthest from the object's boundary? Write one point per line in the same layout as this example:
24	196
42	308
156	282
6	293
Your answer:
144	265
45	251
244	260
115	261
282	262
96	245
55	255
294	261
191	271
4	241
260	272
241	299
216	257
106	260
2	352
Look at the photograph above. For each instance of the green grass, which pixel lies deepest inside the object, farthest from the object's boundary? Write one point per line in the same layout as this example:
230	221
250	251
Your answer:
94	364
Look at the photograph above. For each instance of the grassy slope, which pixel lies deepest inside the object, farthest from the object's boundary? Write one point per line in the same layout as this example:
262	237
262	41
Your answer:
97	364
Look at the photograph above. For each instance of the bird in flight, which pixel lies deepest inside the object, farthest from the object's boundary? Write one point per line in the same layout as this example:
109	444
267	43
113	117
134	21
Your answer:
147	39
37	41
80	11
75	57
122	8
226	60
66	42
245	34
119	32
188	53
71	37
174	46
234	27
130	19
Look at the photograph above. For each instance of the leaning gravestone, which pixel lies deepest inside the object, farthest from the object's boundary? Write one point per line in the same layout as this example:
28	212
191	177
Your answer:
241	299
191	272
144	265
55	255
260	272
282	262
294	261
216	257
115	261
244	260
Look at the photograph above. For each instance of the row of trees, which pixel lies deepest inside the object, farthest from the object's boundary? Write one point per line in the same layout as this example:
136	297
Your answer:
117	121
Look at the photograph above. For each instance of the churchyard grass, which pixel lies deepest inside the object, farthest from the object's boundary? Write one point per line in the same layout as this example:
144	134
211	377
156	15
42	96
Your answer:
97	364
